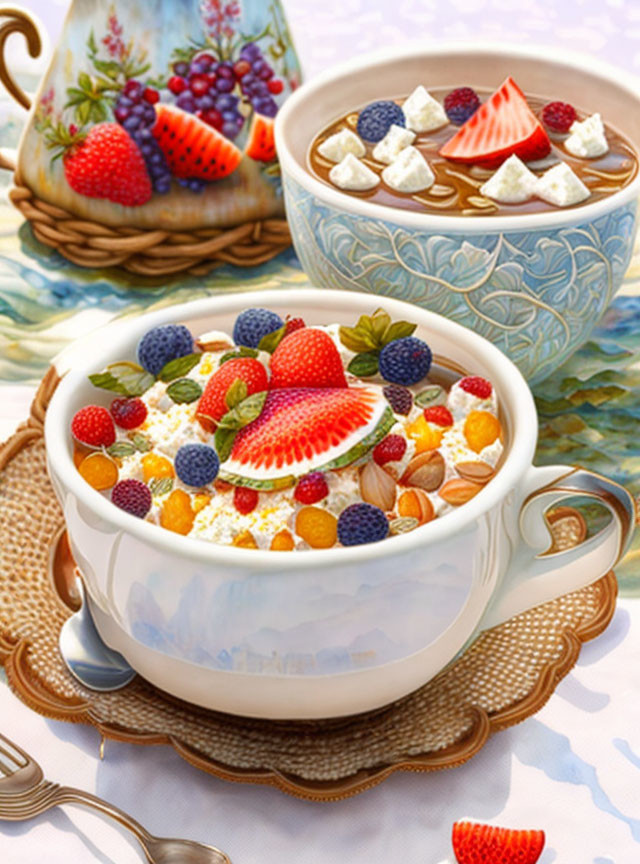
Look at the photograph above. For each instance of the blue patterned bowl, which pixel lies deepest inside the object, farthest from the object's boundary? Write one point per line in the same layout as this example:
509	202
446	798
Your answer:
533	284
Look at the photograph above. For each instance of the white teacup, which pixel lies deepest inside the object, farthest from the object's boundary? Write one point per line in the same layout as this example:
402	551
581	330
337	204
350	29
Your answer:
322	633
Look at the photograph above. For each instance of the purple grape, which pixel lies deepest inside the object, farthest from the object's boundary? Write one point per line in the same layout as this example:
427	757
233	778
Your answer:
194	184
206	101
198	68
250	51
266	106
181	69
138	119
186	102
121	114
224	85
226	102
225	70
131	123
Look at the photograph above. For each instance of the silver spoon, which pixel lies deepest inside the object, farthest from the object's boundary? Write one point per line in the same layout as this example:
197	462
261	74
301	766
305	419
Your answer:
86	656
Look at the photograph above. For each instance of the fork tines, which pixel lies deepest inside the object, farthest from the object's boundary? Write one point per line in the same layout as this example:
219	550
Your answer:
11	757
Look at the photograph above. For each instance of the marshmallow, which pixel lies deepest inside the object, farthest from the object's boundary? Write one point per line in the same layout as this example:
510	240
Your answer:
409	172
587	139
396	139
422	112
560	186
512	183
337	146
352	174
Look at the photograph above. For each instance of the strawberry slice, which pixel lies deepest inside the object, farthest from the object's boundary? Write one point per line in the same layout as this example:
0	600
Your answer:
191	147
504	125
474	843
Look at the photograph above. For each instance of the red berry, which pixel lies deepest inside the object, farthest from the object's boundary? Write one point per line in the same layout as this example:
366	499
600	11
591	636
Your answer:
205	59
390	449
241	68
212	118
176	84
132	496
211	78
93	426
199	85
132	88
293	324
128	413
559	116
474	842
275	86
73	129
307	358
476	386
151	96
213	403
311	488
461	104
244	499
438	414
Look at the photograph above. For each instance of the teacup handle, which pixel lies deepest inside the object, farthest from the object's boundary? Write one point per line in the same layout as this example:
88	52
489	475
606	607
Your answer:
19	22
535	575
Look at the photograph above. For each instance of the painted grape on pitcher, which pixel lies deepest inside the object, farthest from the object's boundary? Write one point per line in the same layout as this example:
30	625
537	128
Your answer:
125	132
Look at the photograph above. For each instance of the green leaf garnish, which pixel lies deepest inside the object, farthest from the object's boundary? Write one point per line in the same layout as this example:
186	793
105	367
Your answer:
184	390
242	351
270	341
121	449
356	340
132	377
380	323
373	332
106	381
364	365
142	444
245	412
236	393
179	367
223	441
160	486
432	395
398	330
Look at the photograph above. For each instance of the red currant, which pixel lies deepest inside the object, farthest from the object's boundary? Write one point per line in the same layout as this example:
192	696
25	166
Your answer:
311	488
212	118
206	59
244	499
241	68
438	414
176	84
151	96
199	85
128	413
390	449
275	86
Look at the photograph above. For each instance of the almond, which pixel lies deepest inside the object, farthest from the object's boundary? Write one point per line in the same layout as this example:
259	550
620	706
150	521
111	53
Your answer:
477	472
459	491
214	340
426	471
403	524
417	504
377	486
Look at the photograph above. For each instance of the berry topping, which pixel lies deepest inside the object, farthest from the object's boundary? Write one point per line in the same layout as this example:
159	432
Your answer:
253	324
293	324
247	369
438	414
93	426
362	523
311	488
504	125
317	527
460	104
132	496
390	449
162	344
376	119
244	499
559	116
128	413
476	386
405	361
307	358
473	842
399	398
177	513
196	464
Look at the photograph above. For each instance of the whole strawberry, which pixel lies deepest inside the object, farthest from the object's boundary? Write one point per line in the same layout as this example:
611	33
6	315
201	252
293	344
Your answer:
105	163
213	403
307	358
474	842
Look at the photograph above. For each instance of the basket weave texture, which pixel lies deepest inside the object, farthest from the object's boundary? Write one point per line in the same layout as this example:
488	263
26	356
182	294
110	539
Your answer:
504	677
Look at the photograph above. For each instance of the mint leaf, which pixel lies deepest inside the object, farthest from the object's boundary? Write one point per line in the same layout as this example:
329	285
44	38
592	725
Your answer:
121	449
161	485
364	365
184	390
142	444
223	440
270	342
357	340
245	412
242	351
132	377
236	393
432	395
179	367
106	381
380	323
398	330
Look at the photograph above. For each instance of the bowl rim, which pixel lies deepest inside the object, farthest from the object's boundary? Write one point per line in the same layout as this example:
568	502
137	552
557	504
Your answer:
505	376
442	222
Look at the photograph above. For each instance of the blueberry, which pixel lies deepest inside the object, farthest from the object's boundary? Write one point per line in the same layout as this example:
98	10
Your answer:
162	344
362	523
376	119
405	361
252	324
197	464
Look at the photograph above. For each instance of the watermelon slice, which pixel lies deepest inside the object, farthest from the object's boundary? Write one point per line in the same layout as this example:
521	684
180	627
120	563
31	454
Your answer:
504	125
261	144
193	148
303	429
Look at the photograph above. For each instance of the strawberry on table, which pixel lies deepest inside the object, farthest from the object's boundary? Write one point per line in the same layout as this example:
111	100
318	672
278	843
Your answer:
307	358
502	126
474	843
192	148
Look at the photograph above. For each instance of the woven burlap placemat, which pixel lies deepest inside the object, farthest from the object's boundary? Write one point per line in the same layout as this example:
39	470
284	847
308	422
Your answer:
505	676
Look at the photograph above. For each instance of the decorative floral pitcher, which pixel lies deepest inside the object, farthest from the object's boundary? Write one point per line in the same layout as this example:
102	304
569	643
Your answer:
150	141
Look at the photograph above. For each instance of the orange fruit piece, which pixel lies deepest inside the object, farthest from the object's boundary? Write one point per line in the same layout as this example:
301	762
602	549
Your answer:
200	502
245	540
317	527
177	514
481	428
99	471
426	435
155	467
416	503
283	541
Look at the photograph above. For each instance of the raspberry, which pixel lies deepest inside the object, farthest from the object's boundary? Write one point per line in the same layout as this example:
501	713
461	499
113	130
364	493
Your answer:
390	449
476	386
132	496
93	426
128	413
244	499
376	119
252	324
398	397
311	488
162	344
405	361
438	414
362	523
293	324
317	527
461	104
196	464
559	116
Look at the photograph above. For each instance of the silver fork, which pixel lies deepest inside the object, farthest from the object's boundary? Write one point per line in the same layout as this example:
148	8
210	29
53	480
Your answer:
24	793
